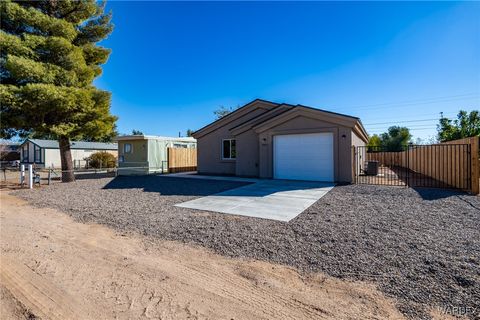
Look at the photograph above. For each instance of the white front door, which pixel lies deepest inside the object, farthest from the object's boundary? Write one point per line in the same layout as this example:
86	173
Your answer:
303	156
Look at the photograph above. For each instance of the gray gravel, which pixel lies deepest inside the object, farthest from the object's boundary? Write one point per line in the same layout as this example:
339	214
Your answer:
421	246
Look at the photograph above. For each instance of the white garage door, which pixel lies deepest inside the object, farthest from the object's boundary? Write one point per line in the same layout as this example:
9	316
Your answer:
303	156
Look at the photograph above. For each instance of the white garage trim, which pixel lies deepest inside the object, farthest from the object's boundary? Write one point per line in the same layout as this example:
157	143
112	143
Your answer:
303	156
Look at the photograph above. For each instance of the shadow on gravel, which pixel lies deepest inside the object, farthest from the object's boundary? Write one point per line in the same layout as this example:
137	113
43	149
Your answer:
173	186
436	194
93	175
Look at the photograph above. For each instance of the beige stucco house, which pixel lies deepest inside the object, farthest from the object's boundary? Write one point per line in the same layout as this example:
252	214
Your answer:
281	141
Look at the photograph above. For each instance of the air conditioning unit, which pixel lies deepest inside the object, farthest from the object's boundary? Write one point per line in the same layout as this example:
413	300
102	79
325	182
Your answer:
372	168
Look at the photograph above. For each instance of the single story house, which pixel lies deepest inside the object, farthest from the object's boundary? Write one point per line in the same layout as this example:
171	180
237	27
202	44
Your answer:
46	153
142	154
281	141
9	152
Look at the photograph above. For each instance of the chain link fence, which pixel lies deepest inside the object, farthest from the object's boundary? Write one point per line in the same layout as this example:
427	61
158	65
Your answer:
11	175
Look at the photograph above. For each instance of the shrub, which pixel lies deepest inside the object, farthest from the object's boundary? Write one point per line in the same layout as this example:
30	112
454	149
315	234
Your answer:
102	159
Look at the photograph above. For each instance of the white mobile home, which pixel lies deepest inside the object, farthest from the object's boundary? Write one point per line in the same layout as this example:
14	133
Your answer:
46	153
142	154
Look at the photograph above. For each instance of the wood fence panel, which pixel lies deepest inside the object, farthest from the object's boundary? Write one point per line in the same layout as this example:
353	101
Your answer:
182	159
474	159
453	163
475	166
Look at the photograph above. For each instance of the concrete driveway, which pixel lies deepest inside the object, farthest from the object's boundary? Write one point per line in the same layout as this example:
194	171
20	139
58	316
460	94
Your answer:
269	199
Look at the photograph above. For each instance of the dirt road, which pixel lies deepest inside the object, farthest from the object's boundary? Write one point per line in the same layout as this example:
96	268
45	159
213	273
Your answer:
54	267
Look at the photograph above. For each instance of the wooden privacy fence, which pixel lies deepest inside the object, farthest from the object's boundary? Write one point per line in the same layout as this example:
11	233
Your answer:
182	159
455	164
474	143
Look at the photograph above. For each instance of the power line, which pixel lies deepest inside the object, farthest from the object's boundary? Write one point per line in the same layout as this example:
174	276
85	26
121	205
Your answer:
412	104
403	121
414	129
413	101
409	127
422	115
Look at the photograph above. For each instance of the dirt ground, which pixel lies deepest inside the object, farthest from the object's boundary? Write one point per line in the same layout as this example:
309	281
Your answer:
55	268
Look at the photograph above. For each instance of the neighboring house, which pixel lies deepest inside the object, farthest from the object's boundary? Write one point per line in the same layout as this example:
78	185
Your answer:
140	154
46	153
281	141
9	151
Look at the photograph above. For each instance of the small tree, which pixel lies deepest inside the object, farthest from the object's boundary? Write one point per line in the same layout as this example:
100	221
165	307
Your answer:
466	125
190	132
396	138
375	141
102	159
222	111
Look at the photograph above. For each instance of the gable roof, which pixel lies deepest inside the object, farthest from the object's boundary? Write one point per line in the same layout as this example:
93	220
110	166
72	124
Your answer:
244	126
274	112
53	144
257	103
309	112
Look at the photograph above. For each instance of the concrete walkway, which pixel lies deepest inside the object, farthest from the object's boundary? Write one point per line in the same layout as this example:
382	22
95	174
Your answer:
194	175
279	200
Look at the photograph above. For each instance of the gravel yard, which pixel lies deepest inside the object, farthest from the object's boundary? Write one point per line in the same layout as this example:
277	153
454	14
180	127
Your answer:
420	246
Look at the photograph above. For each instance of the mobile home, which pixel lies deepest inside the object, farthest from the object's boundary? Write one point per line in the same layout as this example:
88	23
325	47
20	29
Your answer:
46	153
142	154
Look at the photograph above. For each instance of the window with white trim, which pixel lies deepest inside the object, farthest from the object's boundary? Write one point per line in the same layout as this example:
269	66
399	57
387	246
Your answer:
229	150
25	152
38	154
127	148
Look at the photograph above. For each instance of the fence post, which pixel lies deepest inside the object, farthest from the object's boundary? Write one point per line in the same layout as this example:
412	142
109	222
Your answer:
474	149
49	176
169	159
354	165
30	176
408	166
22	174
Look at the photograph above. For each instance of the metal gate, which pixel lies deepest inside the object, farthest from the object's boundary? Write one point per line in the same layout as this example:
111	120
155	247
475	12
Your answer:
433	166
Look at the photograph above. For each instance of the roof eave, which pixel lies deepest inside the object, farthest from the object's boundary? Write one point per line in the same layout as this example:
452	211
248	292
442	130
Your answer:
298	110
205	130
251	123
362	131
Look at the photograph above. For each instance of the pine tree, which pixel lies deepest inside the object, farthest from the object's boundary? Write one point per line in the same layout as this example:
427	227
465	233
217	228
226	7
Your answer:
48	61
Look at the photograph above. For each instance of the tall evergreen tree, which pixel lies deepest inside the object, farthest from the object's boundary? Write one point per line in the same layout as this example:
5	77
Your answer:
48	61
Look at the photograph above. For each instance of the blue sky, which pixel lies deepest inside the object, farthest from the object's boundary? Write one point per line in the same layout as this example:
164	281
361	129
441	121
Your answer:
174	63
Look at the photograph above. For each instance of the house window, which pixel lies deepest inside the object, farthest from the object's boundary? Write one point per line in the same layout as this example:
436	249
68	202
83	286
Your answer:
25	153
229	149
127	148
38	154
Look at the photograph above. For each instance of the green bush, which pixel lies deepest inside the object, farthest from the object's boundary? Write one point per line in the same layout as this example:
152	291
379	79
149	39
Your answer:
102	159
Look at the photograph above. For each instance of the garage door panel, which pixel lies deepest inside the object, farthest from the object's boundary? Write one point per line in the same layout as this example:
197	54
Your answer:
304	157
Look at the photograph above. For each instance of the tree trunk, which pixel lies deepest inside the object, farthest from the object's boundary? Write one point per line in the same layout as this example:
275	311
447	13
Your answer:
66	159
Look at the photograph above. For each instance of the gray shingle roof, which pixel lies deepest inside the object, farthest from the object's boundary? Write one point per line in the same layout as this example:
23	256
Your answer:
53	144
